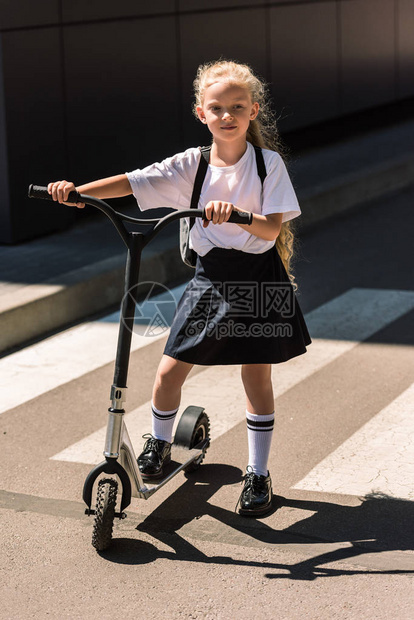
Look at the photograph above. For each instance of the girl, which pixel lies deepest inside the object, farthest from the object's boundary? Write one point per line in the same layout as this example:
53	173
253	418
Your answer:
240	306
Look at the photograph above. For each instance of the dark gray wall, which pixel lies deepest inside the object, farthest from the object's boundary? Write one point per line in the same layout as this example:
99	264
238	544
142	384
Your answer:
89	89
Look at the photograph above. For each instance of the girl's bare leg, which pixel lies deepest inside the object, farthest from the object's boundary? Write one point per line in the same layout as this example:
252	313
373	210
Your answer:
171	374
257	381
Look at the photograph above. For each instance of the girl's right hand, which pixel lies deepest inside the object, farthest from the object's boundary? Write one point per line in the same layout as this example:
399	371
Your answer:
60	190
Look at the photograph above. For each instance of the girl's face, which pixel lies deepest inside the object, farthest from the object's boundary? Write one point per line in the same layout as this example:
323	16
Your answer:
227	111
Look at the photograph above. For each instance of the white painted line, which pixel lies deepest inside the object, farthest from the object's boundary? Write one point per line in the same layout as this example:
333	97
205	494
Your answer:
378	458
358	313
212	389
219	389
66	356
338	326
335	327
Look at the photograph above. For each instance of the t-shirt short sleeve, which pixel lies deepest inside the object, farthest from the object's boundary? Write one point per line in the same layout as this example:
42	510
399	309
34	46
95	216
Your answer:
278	193
168	183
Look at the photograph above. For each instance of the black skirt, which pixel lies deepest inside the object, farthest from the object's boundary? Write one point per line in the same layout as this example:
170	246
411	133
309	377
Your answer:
239	308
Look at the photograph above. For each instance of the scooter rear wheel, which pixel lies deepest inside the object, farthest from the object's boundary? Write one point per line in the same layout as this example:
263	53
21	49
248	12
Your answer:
192	429
104	513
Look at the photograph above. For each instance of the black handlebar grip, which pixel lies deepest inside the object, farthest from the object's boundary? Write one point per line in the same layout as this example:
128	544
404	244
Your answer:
237	217
37	191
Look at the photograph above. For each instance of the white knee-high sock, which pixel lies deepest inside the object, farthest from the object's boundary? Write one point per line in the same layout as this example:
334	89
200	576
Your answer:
162	423
259	435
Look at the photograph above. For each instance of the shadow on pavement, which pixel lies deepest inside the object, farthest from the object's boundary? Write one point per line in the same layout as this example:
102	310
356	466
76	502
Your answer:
380	523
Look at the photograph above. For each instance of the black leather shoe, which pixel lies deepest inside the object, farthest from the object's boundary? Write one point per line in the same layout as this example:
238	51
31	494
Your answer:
155	455
256	498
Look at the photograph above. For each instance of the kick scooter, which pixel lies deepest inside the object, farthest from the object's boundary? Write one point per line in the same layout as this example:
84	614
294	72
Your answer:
192	437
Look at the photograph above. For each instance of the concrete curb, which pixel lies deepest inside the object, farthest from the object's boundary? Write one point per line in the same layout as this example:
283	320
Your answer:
39	309
349	190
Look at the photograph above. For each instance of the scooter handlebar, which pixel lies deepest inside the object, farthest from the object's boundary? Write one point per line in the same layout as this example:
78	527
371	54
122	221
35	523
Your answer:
37	191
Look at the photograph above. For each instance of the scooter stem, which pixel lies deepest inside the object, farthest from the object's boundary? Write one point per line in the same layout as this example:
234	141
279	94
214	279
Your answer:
136	245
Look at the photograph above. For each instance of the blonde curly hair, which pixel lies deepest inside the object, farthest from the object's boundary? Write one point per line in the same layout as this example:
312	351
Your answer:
262	131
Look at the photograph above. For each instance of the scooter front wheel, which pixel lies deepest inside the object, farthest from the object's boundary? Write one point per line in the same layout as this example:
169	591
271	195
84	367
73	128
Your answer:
193	428
104	513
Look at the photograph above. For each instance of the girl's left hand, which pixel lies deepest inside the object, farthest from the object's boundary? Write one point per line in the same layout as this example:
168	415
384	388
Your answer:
217	212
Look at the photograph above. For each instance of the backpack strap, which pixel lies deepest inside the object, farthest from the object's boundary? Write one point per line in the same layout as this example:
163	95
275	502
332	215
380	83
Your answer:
199	179
261	168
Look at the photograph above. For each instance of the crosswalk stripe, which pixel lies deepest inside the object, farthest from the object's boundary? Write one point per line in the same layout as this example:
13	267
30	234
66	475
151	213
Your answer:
336	327
378	458
68	355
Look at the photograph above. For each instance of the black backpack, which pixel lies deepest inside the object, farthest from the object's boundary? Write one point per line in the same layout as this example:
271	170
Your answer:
188	255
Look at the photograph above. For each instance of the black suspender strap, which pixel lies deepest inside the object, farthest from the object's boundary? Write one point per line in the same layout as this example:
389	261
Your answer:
261	168
199	180
200	176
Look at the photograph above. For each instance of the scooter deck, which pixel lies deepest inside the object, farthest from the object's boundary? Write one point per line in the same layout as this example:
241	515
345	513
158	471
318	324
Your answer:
180	458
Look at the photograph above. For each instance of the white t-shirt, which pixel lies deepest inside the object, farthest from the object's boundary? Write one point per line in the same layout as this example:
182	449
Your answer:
170	184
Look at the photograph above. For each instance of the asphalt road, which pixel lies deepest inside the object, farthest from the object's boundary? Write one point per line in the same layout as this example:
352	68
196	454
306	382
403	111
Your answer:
339	542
